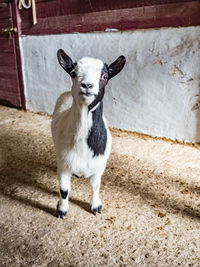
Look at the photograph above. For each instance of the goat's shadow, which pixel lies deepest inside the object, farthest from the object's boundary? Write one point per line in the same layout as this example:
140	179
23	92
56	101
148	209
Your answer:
82	204
156	190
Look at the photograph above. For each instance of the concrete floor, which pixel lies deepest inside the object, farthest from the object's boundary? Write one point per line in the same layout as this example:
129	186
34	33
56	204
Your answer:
150	193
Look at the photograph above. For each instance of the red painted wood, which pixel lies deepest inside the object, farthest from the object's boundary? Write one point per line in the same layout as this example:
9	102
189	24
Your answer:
46	8
7	59
5	71
9	97
9	87
8	81
16	21
170	15
5	23
55	8
6	45
9	78
4	10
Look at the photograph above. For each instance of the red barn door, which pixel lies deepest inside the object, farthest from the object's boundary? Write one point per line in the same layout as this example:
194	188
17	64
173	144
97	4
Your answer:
10	91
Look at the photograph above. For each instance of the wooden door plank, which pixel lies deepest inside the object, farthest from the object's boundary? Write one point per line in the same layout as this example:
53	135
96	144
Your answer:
10	72
4	10
10	97
9	82
18	60
7	59
6	45
5	23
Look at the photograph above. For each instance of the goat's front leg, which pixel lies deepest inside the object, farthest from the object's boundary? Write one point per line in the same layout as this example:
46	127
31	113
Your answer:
65	188
96	205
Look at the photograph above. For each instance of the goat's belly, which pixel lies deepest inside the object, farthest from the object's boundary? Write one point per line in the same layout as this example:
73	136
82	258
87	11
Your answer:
84	164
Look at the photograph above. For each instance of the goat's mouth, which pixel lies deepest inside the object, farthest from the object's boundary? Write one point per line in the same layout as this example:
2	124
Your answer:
86	94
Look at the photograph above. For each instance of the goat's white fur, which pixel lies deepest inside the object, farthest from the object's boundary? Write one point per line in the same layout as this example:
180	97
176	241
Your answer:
71	124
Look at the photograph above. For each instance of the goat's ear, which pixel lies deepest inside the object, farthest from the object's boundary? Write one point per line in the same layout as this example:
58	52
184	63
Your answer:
65	61
116	67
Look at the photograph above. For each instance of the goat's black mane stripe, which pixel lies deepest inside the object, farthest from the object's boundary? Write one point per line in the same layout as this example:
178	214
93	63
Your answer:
98	98
97	137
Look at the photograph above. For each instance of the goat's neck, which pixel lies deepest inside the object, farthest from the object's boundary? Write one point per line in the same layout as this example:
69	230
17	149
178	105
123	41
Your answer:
82	119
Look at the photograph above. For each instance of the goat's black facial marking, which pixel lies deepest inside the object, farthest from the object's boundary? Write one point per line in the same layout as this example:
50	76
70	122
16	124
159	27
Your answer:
64	194
72	74
102	83
97	137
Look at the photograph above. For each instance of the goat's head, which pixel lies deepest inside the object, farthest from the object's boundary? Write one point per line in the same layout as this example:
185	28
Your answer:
89	76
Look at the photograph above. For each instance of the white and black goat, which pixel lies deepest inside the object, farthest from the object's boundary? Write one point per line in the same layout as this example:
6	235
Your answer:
79	129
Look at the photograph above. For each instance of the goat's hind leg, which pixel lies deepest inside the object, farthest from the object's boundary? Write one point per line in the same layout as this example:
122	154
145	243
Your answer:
65	188
96	205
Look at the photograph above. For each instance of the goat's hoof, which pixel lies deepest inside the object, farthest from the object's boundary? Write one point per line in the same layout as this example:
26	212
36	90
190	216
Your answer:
96	210
61	214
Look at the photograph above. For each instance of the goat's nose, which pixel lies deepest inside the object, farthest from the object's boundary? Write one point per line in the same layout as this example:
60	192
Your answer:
87	85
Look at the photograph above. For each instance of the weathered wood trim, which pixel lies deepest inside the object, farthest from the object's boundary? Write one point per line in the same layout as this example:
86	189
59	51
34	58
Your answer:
162	15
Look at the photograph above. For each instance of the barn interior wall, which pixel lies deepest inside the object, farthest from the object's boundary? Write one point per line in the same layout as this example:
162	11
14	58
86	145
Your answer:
157	93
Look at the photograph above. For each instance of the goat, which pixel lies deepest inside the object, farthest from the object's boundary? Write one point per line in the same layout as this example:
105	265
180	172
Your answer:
79	129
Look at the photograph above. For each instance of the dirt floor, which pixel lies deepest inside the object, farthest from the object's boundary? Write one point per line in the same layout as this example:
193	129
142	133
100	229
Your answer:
150	193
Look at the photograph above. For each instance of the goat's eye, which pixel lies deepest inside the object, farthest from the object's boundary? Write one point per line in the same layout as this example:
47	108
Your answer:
73	74
104	76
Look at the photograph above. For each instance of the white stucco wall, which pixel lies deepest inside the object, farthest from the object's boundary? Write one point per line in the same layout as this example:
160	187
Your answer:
157	93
